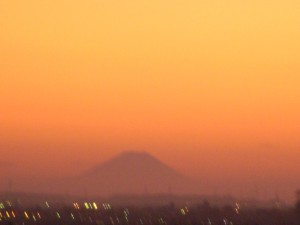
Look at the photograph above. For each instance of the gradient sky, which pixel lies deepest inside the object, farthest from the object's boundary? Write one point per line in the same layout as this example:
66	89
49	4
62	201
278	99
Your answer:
210	87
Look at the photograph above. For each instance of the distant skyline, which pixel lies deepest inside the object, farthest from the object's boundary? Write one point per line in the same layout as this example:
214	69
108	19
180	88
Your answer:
211	88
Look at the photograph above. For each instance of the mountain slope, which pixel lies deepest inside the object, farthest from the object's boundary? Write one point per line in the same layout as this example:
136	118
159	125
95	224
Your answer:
136	165
132	173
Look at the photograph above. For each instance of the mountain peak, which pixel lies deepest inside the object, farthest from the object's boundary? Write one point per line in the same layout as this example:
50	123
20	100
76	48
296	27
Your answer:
135	155
131	161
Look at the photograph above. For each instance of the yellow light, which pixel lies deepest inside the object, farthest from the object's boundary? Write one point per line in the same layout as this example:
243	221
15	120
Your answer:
26	215
95	205
182	211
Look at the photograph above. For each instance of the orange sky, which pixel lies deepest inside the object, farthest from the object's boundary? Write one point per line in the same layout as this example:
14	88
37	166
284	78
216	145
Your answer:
210	87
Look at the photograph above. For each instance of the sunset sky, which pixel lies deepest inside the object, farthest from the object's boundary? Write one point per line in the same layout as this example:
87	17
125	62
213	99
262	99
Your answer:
212	88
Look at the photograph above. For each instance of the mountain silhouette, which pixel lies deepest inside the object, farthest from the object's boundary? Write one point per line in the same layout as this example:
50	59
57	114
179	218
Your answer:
138	165
132	172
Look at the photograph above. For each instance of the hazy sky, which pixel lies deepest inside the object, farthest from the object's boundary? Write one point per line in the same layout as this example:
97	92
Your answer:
210	87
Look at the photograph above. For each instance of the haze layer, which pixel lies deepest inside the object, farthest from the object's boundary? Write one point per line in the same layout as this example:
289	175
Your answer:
210	87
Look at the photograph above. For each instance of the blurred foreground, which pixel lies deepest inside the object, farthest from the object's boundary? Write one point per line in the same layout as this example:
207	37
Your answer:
104	213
